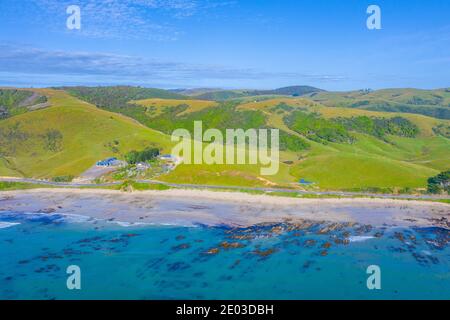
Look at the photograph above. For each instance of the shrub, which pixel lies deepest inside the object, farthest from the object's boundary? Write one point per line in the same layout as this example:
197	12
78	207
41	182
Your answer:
318	129
68	178
379	127
133	185
134	157
439	183
53	140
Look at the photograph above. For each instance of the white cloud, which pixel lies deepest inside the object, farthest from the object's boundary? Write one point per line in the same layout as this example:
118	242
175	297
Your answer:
139	19
125	69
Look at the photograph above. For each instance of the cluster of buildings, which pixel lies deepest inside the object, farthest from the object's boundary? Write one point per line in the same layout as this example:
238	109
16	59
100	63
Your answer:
169	163
110	162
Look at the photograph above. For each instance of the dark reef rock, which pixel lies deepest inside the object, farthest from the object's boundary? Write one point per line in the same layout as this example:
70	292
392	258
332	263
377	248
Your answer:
231	245
324	253
213	251
181	247
326	245
264	253
310	243
177	266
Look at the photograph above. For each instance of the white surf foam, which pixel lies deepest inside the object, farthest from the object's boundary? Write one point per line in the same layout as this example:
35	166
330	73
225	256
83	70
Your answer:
359	238
129	224
71	217
4	225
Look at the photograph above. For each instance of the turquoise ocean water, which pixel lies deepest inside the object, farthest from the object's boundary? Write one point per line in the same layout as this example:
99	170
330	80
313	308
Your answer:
283	261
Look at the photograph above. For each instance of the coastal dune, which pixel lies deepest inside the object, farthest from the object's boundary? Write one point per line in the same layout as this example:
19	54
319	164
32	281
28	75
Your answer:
193	207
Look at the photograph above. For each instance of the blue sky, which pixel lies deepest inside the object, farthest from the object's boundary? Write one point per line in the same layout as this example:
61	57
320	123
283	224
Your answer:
226	43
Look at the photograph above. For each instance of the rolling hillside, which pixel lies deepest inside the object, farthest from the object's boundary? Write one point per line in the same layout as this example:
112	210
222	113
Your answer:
334	147
434	103
222	95
67	138
14	102
155	107
369	161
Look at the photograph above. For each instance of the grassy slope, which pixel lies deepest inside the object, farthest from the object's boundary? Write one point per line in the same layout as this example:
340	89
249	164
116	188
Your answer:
160	104
86	131
222	95
434	103
17	101
236	175
370	162
226	175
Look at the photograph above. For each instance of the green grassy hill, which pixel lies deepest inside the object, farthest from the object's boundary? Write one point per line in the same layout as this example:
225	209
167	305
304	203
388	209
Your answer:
15	101
289	91
222	95
368	161
434	103
335	147
156	106
67	138
118	96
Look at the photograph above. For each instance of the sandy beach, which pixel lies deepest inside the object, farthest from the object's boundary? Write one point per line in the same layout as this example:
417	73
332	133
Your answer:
192	207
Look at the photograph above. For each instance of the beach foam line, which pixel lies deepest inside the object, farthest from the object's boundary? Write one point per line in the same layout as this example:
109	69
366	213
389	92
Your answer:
149	224
128	224
360	238
53	216
77	218
4	225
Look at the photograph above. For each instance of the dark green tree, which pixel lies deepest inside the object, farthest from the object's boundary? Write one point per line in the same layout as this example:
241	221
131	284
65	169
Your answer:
439	183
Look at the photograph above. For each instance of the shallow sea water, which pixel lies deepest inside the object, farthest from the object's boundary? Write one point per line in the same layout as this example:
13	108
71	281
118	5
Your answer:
271	261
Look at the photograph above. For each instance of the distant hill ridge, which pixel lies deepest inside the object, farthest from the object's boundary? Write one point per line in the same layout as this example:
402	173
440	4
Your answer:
289	91
221	95
433	103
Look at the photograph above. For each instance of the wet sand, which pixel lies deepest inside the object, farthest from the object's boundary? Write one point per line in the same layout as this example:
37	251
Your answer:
192	207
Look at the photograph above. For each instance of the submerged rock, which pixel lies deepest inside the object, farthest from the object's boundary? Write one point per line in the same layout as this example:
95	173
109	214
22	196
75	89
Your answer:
231	245
330	228
243	237
213	251
310	243
326	245
345	241
182	246
264	253
235	264
378	234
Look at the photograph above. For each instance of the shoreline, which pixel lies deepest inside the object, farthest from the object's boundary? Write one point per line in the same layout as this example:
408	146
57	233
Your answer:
192	207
